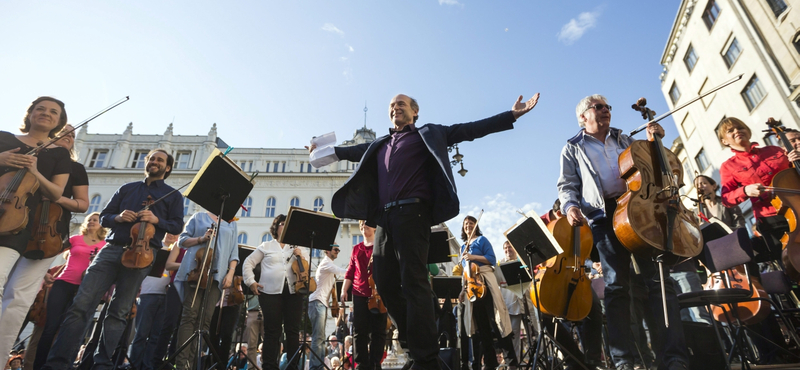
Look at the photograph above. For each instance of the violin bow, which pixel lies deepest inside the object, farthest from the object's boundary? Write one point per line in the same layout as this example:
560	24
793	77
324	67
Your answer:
36	150
684	105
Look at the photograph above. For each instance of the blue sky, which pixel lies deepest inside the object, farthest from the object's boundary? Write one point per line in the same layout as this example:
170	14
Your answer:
274	73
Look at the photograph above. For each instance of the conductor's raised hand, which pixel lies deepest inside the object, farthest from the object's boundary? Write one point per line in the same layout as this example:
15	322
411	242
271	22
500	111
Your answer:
311	148
519	108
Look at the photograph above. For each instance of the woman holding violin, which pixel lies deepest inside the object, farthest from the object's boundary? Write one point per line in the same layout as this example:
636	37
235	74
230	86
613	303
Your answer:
488	312
369	326
82	247
25	181
281	303
221	261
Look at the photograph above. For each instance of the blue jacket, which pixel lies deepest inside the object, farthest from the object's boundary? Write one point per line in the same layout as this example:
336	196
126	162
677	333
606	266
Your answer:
358	197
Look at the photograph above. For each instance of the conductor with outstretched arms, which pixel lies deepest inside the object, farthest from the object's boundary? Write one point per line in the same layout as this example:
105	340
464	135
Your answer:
404	184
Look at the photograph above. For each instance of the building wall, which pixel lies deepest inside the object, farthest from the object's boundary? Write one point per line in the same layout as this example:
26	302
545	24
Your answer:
766	53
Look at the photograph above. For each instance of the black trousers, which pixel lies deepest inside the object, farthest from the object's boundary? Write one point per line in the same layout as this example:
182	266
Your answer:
221	331
167	337
369	335
401	276
483	313
58	300
281	315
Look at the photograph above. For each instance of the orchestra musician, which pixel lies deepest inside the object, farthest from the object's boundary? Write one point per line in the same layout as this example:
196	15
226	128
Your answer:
65	286
588	185
167	342
369	327
406	185
195	237
489	313
513	302
276	294
318	303
120	215
21	277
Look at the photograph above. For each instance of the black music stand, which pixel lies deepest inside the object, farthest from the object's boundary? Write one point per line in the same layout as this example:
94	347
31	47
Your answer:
219	187
315	230
439	247
160	263
531	236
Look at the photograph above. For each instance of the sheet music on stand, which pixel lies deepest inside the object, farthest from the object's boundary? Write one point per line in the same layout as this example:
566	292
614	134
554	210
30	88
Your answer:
324	154
530	233
227	180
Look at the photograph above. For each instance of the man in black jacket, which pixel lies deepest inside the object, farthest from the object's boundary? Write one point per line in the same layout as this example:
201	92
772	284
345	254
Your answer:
404	183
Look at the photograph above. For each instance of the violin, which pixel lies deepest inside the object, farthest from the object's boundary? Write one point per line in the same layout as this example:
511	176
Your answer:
473	281
751	312
304	283
786	184
202	263
45	240
38	311
335	303
650	219
16	187
233	295
565	290
138	255
375	302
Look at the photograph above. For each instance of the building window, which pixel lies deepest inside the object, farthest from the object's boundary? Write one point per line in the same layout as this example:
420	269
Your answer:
753	93
275	167
266	237
358	239
139	159
182	160
316	253
674	93
94	205
246	165
99	159
687	173
187	206
270	207
777	6
711	14
690	59
688	126
242	238
309	167
702	161
248	203
267	167
318	204
283	169
732	53
295	202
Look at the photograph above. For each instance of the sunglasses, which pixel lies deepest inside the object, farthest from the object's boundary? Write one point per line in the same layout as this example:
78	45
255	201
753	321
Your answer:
599	107
336	250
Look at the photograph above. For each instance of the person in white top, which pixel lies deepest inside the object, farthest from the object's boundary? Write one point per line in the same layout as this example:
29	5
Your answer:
280	303
318	303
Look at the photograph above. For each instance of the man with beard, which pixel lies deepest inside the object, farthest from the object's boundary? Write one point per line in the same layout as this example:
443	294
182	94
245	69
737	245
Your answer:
119	215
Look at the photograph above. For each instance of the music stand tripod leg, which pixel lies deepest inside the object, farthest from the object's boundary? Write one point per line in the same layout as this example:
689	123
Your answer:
304	343
199	334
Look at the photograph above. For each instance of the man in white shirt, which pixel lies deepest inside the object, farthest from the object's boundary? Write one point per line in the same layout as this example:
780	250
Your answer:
318	304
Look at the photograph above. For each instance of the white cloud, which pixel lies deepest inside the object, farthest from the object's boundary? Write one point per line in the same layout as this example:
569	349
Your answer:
350	48
329	27
575	28
449	2
498	216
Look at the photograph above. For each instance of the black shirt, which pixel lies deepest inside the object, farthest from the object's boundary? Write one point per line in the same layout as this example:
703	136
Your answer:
77	177
50	162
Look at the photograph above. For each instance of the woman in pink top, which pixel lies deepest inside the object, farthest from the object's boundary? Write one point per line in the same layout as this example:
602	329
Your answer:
82	247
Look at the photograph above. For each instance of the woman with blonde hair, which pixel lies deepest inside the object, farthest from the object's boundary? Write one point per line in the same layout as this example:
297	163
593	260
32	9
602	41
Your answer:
82	249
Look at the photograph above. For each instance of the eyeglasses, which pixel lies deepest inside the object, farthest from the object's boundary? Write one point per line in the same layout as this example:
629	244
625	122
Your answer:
599	107
336	250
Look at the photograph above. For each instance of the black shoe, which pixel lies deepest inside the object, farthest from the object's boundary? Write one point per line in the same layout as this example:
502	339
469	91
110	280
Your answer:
408	365
625	367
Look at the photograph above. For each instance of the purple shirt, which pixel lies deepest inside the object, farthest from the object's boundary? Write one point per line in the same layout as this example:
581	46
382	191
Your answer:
403	167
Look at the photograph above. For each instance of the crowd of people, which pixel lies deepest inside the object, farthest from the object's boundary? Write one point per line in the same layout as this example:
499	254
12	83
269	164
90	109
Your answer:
402	186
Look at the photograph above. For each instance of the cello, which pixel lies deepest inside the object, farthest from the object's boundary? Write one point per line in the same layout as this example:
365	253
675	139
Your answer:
785	184
649	218
564	289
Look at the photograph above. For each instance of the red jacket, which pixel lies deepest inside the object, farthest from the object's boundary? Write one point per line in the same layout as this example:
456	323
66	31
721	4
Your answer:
758	166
